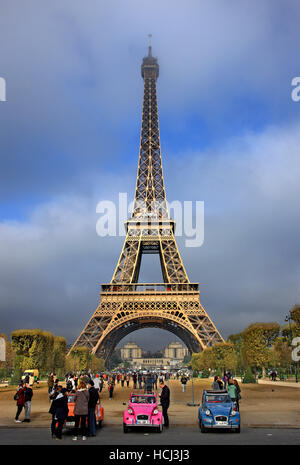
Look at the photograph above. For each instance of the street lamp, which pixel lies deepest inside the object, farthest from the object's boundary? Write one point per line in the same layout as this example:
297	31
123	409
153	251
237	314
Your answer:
193	403
288	319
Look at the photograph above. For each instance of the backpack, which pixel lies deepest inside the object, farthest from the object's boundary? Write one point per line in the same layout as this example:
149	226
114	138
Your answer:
16	396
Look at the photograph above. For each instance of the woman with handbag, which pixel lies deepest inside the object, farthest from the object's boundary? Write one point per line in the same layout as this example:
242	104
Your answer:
81	410
20	398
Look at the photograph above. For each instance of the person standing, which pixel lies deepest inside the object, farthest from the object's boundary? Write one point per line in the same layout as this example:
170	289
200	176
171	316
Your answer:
93	400
238	394
155	376
215	385
81	410
140	380
232	390
20	398
165	402
97	382
111	385
50	382
183	382
128	379
59	410
122	379
28	393
134	378
225	379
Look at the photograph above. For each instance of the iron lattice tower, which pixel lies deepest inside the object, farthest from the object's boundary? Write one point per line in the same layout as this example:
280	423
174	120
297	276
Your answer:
125	304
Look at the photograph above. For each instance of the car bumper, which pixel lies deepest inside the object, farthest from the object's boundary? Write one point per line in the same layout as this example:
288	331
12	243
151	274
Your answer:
222	426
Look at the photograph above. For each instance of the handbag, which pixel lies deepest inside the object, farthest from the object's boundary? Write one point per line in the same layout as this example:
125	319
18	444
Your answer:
16	396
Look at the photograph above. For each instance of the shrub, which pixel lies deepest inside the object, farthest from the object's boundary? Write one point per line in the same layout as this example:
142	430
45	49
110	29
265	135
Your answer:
248	377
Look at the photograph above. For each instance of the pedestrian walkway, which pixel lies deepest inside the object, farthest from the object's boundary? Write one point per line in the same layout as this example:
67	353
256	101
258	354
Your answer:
280	383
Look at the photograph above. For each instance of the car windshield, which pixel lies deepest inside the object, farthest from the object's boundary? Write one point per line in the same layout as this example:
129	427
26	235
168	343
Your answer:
217	398
143	400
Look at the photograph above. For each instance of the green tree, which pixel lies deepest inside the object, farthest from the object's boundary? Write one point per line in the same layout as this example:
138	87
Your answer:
59	355
225	356
256	342
34	348
295	315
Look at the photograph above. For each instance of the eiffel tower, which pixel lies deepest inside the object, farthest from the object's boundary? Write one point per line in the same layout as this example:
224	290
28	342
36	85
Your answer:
125	304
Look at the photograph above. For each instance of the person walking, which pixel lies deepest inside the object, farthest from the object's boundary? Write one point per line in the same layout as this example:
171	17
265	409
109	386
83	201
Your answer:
140	380
111	386
28	393
81	410
155	377
128	379
20	398
165	402
134	378
59	410
122	379
183	382
93	400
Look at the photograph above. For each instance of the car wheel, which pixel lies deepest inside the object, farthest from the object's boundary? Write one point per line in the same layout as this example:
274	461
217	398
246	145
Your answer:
238	430
160	428
125	428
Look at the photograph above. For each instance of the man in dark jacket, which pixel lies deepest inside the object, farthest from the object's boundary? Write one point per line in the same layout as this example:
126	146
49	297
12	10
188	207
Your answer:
59	410
28	393
165	402
94	397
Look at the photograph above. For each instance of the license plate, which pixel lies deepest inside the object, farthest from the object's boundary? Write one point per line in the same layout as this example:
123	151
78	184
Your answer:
70	423
143	422
221	423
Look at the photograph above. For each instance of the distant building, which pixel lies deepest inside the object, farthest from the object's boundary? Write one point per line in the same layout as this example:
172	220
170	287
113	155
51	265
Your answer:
130	350
175	351
171	357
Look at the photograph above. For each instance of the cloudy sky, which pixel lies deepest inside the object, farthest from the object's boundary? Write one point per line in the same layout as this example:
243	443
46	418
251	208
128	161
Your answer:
69	131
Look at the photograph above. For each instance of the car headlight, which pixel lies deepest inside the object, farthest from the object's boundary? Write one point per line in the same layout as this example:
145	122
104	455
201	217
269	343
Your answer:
155	411
207	412
233	412
130	411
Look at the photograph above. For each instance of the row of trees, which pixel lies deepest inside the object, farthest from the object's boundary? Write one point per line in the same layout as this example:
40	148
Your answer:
37	349
259	346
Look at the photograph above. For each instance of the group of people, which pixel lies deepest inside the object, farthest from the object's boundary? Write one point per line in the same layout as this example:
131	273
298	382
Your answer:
23	397
230	384
85	398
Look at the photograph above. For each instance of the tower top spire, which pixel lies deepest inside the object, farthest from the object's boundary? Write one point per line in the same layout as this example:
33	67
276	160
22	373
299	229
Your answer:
150	47
150	66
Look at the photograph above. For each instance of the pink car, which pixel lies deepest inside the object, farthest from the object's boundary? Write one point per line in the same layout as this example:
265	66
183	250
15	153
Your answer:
142	411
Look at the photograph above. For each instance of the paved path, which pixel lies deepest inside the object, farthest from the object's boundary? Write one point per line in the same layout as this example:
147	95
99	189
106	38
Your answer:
280	383
113	435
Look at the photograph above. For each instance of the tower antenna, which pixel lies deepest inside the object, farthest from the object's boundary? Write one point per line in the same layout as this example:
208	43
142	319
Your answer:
150	47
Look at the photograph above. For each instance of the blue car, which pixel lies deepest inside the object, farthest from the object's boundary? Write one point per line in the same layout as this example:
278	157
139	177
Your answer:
218	411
